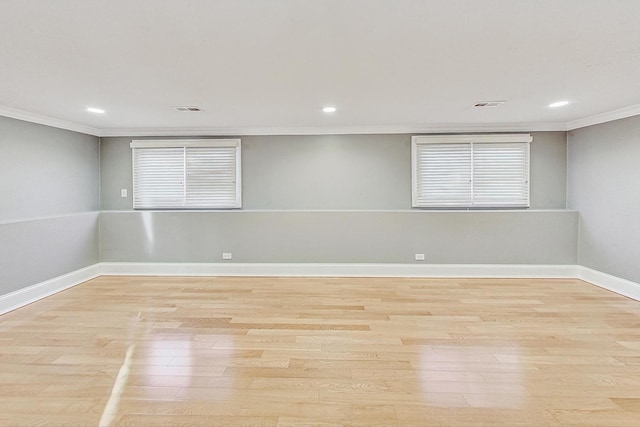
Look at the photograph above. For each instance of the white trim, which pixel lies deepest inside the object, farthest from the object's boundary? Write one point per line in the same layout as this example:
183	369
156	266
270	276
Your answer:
337	269
180	143
24	296
607	281
481	138
28	295
41	119
339	130
621	113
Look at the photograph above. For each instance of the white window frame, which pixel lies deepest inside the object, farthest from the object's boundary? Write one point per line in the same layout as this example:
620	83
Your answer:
186	144
418	140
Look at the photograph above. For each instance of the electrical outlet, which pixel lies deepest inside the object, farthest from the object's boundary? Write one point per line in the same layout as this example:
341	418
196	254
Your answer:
123	192
227	255
419	257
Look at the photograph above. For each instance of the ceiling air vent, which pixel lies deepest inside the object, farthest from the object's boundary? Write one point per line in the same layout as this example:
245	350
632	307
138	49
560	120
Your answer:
188	109
489	104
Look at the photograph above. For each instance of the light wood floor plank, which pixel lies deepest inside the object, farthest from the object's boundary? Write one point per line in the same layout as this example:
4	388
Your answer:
233	351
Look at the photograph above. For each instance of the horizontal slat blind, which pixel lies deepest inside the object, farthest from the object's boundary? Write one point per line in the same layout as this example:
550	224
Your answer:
501	174
471	171
158	178
211	177
443	175
200	174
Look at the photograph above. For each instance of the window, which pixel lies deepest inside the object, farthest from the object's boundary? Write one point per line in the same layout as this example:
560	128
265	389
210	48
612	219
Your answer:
467	171
186	174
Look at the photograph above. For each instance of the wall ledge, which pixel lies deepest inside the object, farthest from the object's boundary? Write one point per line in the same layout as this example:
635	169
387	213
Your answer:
415	210
47	217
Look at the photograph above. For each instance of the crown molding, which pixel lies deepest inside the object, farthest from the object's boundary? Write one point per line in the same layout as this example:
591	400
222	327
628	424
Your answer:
337	130
41	119
621	113
596	119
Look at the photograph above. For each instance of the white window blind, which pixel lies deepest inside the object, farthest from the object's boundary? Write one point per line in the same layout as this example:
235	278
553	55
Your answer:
470	171
186	174
444	174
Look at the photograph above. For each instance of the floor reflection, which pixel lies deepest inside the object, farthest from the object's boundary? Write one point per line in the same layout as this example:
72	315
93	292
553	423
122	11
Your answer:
172	361
448	371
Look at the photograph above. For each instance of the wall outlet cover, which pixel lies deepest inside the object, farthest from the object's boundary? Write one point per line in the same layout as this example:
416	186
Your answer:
227	255
419	257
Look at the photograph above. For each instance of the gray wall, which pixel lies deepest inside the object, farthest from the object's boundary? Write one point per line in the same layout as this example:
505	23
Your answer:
34	251
344	172
49	195
46	171
604	185
548	175
465	237
339	198
342	198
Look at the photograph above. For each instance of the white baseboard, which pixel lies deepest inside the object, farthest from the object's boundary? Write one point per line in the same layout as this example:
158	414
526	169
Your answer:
613	283
603	280
342	270
24	296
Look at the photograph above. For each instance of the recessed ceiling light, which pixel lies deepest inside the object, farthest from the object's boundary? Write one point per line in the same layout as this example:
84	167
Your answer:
558	104
95	110
329	109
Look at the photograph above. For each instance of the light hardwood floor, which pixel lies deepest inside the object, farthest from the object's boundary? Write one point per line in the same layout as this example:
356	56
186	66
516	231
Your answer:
147	351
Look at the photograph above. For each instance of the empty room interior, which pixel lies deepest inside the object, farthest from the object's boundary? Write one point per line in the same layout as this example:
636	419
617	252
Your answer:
319	213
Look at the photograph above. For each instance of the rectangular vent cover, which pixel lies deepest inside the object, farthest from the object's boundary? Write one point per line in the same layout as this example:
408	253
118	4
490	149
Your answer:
188	109
489	104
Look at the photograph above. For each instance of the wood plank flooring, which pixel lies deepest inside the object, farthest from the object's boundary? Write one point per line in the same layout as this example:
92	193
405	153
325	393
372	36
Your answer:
151	351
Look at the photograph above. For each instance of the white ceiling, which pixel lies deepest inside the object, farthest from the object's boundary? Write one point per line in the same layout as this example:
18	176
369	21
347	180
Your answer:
269	66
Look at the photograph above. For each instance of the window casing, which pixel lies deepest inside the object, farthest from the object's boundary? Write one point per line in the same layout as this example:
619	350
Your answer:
187	174
470	171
